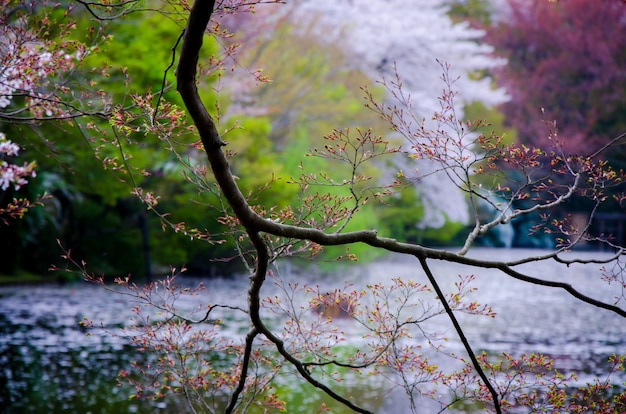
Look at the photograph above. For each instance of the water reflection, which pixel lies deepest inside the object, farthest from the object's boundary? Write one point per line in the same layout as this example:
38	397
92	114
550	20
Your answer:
531	318
49	365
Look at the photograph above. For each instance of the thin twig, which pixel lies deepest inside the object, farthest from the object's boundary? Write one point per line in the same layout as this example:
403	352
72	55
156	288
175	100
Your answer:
170	66
459	331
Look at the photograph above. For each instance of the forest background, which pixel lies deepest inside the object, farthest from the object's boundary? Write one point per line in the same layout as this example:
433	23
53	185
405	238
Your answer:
508	70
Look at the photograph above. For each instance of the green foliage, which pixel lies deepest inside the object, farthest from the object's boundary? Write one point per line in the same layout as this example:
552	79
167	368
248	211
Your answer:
93	207
129	53
301	106
475	111
401	213
255	160
449	234
477	11
361	389
90	169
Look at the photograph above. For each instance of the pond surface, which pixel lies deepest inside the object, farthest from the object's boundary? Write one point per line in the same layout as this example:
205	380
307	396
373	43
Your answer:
49	365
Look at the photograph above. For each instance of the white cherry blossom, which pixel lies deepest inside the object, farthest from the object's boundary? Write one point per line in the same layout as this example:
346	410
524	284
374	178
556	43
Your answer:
412	36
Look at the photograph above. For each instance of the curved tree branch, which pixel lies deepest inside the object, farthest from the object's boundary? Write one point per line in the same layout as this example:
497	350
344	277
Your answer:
192	42
244	371
254	224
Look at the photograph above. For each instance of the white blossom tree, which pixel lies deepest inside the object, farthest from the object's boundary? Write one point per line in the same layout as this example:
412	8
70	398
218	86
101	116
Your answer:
39	60
13	175
389	38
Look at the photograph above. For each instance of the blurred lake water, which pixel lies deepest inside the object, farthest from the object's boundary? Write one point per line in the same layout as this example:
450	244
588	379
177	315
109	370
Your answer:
49	365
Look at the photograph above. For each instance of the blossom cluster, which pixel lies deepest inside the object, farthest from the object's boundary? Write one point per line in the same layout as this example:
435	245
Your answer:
12	173
14	78
27	64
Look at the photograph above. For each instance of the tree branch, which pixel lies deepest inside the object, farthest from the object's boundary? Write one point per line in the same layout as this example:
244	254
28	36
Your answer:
244	371
459	331
254	224
199	18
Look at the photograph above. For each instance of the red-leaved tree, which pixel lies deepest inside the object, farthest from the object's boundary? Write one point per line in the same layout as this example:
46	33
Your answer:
565	64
